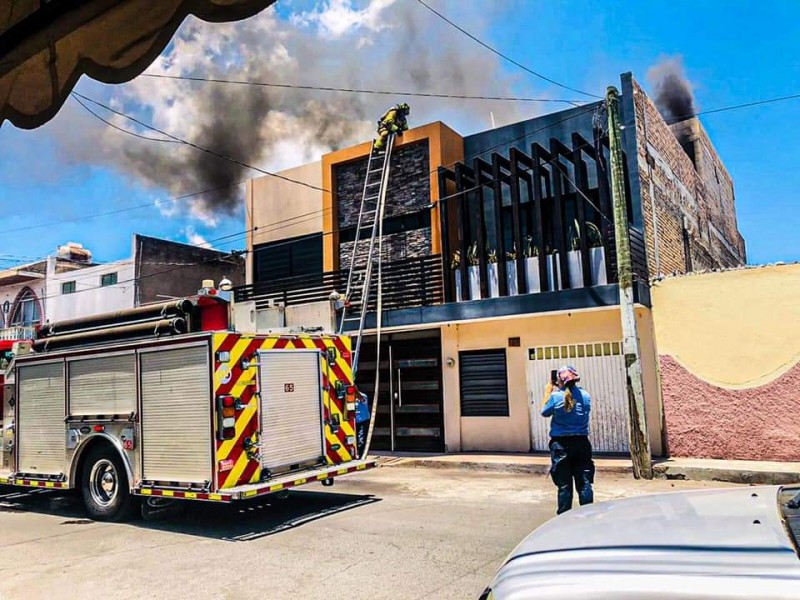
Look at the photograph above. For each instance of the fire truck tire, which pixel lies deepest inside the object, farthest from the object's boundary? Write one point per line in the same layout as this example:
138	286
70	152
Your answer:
104	486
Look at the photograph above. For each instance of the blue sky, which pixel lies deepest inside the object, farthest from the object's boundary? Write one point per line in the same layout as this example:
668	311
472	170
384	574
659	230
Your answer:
732	53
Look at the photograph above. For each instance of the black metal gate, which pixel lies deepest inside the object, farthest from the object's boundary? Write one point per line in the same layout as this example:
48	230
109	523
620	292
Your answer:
410	404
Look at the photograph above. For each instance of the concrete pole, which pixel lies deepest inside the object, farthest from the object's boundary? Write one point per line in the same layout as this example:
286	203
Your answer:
639	440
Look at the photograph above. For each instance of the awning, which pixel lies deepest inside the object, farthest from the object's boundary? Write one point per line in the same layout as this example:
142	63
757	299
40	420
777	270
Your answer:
47	46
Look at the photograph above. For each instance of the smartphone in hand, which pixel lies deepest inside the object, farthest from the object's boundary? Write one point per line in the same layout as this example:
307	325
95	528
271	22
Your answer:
554	376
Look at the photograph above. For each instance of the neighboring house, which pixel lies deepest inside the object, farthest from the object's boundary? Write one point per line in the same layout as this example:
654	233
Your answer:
68	285
496	269
23	289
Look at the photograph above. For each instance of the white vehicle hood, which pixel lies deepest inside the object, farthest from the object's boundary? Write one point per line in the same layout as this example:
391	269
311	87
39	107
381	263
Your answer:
729	543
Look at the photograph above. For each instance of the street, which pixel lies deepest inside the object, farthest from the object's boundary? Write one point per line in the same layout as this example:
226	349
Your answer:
393	533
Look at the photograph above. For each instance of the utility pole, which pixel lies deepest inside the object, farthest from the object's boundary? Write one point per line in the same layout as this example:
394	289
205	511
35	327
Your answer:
639	440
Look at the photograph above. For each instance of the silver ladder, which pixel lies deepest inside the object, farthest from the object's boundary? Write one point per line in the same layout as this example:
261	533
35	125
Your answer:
370	217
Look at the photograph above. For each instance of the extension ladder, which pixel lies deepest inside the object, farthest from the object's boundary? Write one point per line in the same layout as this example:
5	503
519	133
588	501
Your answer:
370	218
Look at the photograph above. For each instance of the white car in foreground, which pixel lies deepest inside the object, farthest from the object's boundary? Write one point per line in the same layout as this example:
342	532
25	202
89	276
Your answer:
729	543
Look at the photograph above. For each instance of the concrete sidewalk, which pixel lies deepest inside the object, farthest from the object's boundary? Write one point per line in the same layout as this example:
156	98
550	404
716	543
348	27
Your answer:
734	471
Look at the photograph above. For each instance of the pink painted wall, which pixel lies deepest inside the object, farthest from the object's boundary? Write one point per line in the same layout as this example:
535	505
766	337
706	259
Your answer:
706	421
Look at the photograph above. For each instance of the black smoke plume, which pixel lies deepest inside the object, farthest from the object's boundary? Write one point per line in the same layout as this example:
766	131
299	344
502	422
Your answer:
672	91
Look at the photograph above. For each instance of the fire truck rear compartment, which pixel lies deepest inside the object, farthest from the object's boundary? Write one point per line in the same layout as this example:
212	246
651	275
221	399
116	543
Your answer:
291	410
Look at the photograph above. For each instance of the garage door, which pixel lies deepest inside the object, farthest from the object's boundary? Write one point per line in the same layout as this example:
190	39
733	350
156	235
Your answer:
602	369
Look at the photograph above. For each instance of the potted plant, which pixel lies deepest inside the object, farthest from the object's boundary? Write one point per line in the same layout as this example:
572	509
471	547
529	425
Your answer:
511	270
574	263
491	268
532	266
553	270
597	254
455	267
473	272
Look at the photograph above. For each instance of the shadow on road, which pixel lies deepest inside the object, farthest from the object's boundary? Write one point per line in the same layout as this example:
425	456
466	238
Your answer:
238	522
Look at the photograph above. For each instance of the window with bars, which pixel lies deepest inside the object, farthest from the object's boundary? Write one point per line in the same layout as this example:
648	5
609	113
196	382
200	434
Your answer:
68	287
108	279
483	383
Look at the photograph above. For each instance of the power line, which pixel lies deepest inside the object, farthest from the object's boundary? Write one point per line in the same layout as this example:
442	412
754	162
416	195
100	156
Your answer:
317	88
110	124
197	146
501	55
735	107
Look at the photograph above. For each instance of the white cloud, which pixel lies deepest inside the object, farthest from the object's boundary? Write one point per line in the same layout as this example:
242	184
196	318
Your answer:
168	208
194	238
337	18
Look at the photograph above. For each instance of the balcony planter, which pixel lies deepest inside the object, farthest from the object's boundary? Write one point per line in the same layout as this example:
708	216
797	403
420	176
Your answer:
597	256
532	274
553	272
575	269
494	282
511	278
474	275
459	287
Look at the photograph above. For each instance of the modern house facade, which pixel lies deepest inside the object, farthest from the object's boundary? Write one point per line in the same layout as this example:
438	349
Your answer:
499	265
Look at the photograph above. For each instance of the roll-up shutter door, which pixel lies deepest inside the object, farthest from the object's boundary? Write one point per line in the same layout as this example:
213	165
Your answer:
484	383
41	429
291	409
176	408
102	386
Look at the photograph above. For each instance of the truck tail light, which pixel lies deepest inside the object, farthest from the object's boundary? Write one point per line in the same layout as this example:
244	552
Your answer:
351	393
226	417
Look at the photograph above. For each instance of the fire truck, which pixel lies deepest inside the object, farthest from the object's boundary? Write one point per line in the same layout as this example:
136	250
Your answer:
168	401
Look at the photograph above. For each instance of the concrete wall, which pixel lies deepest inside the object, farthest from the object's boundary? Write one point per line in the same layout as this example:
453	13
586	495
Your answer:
279	209
729	351
512	433
89	297
167	269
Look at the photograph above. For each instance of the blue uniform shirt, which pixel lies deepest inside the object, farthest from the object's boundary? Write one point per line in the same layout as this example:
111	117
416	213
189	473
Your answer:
575	422
362	409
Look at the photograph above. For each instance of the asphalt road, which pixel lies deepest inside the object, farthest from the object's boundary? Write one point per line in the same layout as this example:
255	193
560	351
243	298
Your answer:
393	533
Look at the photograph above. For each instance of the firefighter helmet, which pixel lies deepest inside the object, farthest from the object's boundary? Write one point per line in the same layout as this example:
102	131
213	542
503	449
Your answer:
404	107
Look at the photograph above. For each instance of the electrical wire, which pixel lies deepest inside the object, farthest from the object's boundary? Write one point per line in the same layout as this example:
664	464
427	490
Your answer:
197	146
501	55
317	88
110	124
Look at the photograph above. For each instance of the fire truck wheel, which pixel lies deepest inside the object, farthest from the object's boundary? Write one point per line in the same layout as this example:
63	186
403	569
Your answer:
104	486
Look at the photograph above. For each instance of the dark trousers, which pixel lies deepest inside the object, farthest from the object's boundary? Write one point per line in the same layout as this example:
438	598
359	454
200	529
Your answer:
361	436
571	464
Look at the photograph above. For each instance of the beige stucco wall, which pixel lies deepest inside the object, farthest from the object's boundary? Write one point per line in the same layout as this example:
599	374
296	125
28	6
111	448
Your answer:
278	209
512	433
736	329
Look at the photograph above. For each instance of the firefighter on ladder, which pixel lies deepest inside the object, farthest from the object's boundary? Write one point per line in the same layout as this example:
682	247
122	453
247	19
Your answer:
393	121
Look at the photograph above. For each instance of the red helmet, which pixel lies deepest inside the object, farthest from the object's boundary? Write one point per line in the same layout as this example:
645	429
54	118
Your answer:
567	374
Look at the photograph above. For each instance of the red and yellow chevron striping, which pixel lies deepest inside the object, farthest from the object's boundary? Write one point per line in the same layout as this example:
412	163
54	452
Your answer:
238	377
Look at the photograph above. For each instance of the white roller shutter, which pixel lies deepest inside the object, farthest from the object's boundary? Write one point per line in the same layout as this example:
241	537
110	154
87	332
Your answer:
102	386
291	409
176	408
602	370
41	431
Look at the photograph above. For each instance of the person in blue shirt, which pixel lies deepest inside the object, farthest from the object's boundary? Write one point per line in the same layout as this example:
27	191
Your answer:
569	407
362	422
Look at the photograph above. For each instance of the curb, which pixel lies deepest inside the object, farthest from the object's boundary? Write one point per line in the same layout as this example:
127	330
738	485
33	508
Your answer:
664	470
727	475
494	467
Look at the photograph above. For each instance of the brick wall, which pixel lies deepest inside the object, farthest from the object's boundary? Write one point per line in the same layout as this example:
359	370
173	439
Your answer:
409	191
694	203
